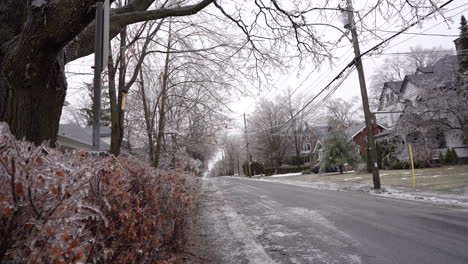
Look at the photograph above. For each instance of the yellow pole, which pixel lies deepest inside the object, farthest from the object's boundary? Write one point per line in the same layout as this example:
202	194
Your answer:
412	165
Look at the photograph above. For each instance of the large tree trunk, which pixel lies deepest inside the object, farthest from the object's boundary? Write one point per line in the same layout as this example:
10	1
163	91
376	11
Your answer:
32	79
34	36
32	106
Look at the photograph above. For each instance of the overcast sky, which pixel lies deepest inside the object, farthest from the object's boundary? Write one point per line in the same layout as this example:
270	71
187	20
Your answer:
310	80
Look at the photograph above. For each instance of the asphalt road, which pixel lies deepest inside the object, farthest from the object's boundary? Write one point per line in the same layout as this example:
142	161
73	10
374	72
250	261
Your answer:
297	224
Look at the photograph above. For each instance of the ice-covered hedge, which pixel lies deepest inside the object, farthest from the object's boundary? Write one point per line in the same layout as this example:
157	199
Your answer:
74	208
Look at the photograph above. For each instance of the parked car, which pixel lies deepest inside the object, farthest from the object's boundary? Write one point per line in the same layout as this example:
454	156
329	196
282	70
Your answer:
316	168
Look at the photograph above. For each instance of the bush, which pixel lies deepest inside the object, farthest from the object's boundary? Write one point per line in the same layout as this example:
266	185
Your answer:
71	207
451	157
255	168
306	171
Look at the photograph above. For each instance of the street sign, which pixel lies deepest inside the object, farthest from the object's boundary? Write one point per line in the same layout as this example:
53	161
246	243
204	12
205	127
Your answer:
105	34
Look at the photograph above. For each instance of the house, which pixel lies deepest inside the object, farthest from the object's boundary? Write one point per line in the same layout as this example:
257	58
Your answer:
72	136
357	134
401	96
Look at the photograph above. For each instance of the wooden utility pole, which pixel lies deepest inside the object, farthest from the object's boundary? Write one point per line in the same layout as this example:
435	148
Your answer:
247	146
372	153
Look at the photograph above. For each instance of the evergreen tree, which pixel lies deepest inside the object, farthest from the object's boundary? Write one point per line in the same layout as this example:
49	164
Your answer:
462	46
87	111
338	150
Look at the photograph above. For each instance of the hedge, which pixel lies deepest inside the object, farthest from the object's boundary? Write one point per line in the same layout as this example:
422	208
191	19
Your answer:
75	208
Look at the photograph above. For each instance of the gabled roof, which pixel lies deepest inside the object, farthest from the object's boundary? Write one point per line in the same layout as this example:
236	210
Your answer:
351	132
76	133
393	86
428	81
429	69
103	130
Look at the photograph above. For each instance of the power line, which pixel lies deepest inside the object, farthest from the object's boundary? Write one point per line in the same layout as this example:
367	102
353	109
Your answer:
353	62
426	29
419	34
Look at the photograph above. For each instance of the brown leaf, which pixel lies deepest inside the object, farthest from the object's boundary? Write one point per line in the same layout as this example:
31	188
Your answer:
7	211
54	190
39	161
66	236
19	189
74	243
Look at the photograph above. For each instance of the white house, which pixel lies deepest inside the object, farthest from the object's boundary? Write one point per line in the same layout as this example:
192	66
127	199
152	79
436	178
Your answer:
397	97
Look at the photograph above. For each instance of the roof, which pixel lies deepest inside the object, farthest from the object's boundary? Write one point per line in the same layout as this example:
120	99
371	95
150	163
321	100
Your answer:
429	69
321	132
449	63
429	81
103	130
441	75
351	132
393	86
79	134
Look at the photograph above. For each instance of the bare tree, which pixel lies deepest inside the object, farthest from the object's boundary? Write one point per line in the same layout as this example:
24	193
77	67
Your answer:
40	37
397	67
344	113
270	136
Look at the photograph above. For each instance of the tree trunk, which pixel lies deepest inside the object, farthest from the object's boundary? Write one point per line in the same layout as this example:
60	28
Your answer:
148	120
31	104
118	113
162	110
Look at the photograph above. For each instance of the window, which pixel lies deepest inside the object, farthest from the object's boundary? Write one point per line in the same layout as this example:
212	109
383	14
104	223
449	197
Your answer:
441	142
307	147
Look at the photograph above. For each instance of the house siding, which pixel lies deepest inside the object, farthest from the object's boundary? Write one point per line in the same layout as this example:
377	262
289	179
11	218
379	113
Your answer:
361	138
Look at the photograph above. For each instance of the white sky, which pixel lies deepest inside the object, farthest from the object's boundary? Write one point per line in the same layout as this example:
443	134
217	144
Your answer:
80	70
402	43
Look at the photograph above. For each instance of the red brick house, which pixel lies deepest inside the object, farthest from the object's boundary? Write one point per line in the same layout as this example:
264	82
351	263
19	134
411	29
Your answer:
357	133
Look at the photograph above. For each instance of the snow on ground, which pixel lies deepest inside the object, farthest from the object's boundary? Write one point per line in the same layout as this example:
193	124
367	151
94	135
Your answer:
453	197
285	175
286	232
231	241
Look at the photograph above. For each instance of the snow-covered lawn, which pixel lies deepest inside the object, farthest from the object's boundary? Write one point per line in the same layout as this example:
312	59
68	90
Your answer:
285	175
447	177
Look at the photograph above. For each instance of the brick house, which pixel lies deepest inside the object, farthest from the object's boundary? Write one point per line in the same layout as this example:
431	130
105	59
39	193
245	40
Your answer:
357	133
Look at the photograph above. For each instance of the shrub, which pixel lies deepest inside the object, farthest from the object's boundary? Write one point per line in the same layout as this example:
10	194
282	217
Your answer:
451	157
255	168
71	207
306	171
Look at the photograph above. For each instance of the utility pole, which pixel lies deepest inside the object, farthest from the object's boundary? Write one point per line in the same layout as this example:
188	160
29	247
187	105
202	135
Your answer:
247	146
372	155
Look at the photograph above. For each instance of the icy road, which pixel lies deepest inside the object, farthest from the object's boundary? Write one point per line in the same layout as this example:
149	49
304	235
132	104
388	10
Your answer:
247	221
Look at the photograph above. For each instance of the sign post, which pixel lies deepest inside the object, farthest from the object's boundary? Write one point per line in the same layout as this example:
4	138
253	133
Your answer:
412	165
101	51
